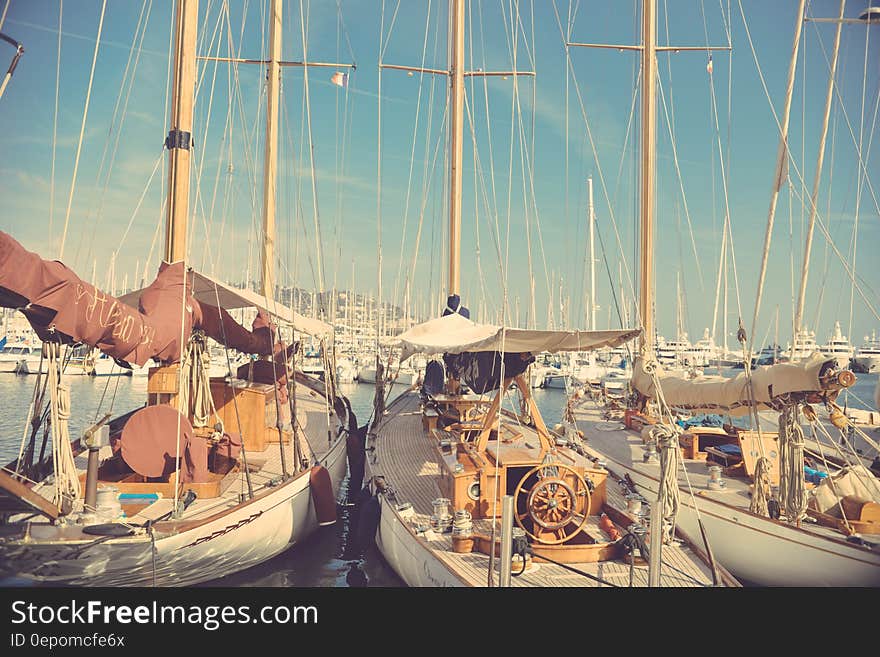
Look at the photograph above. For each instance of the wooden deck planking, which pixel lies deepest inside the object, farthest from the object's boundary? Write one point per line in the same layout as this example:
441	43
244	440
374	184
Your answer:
625	446
404	456
265	465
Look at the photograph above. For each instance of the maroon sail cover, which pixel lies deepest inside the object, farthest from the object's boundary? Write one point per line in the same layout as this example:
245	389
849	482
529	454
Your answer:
56	301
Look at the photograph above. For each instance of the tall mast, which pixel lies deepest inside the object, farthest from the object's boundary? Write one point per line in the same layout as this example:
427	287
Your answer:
455	130
179	138
270	172
649	145
592	256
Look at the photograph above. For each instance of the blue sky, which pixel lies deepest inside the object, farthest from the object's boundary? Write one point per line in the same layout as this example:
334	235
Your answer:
524	199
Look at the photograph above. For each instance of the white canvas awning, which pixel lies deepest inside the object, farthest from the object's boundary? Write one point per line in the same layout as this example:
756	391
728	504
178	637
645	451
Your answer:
717	394
456	334
213	292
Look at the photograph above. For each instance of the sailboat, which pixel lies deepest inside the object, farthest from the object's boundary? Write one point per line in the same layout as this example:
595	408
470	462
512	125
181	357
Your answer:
465	492
780	508
211	476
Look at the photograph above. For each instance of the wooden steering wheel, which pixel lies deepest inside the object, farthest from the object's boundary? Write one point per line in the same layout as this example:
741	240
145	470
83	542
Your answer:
558	502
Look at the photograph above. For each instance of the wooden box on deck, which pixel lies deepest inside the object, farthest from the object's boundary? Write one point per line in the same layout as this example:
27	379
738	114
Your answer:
249	409
251	414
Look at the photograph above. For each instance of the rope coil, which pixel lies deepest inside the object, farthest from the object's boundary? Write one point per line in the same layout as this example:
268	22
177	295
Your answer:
792	488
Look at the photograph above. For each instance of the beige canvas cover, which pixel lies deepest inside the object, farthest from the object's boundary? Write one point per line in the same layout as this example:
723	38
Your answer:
717	394
456	334
214	292
856	480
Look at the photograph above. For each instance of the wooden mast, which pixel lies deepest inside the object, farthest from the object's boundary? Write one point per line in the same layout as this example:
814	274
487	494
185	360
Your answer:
456	114
270	172
649	144
179	138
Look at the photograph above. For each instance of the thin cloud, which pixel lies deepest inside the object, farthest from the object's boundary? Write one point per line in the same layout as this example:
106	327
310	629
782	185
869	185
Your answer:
81	37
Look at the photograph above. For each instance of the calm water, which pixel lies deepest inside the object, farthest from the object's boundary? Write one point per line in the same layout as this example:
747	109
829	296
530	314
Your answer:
325	560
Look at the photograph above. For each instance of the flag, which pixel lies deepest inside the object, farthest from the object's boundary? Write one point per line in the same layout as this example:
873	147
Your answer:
340	79
709	66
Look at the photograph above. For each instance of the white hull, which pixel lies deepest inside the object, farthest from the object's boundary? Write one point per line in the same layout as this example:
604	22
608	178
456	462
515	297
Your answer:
253	532
869	364
31	365
367	375
757	550
410	556
770	553
10	366
558	381
405	377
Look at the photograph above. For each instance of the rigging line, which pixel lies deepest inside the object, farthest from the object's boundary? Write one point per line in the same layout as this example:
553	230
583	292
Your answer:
849	270
687	214
6	8
140	201
412	157
481	278
299	208
54	116
859	176
570	64
159	225
712	172
490	211
316	211
383	46
862	165
82	132
529	199
791	242
426	176
610	278
199	169
424	200
837	93
379	184
566	173
532	315
166	105
725	177
782	158
228	182
344	30
491	204
249	156
670	123
869	481
117	122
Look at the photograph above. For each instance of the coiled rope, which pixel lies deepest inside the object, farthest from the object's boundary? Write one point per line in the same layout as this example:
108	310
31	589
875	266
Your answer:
792	488
67	484
666	437
761	494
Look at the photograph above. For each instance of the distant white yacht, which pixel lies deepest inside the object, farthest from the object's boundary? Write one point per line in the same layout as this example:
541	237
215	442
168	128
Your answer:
867	358
804	345
673	352
839	347
703	352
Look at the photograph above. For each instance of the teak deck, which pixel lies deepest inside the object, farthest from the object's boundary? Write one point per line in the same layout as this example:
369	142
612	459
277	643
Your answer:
404	456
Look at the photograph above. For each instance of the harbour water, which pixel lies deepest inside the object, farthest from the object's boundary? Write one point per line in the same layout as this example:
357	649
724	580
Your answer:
328	558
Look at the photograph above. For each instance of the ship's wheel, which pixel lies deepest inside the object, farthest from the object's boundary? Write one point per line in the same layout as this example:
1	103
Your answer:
557	503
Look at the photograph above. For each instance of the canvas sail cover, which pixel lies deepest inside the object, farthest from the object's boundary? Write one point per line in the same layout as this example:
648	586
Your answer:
208	290
57	302
717	394
454	334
